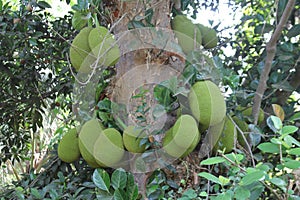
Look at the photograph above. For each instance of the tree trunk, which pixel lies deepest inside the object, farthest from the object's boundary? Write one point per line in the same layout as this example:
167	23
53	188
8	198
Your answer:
142	64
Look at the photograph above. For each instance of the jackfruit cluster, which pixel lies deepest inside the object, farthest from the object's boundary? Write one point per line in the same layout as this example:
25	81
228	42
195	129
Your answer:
100	147
93	47
190	36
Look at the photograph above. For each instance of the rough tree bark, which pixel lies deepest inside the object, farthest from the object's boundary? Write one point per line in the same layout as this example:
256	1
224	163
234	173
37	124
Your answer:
271	51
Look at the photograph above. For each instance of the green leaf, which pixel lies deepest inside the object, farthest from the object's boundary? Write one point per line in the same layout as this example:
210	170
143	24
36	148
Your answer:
223	180
278	181
289	129
290	140
274	123
33	41
210	177
223	196
268	147
104	195
294	31
294	151
36	193
292	164
252	177
276	141
118	195
79	20
101	179
119	179
131	188
43	4
212	161
295	117
234	157
241	193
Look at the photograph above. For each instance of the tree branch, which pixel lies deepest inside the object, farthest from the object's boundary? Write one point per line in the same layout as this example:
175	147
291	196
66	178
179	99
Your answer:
271	51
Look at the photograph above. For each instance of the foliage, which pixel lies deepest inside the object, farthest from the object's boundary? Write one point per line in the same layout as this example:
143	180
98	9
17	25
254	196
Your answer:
34	74
120	186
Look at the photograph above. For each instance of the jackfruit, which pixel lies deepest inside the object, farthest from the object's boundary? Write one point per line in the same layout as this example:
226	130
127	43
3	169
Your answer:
80	53
187	33
185	130
170	147
248	113
209	36
227	138
109	148
68	150
104	46
214	133
244	127
207	103
89	133
132	137
174	150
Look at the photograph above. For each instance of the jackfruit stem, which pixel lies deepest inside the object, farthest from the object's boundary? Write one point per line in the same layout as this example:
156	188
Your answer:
121	123
96	20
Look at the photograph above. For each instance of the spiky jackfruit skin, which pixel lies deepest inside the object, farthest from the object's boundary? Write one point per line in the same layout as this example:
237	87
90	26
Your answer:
89	133
227	138
132	138
209	36
100	41
68	149
207	103
187	33
248	113
244	127
109	148
80	53
185	130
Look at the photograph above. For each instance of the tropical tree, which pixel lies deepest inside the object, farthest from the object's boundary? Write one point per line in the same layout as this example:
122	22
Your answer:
150	74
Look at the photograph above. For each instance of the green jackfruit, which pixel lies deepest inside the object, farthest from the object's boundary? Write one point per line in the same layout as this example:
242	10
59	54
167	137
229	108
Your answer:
170	147
214	133
227	138
104	46
187	33
248	113
185	130
80	53
174	150
88	135
109	148
207	103
68	150
209	36
132	137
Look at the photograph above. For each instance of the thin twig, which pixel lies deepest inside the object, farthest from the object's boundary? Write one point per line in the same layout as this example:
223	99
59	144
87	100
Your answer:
245	139
271	51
